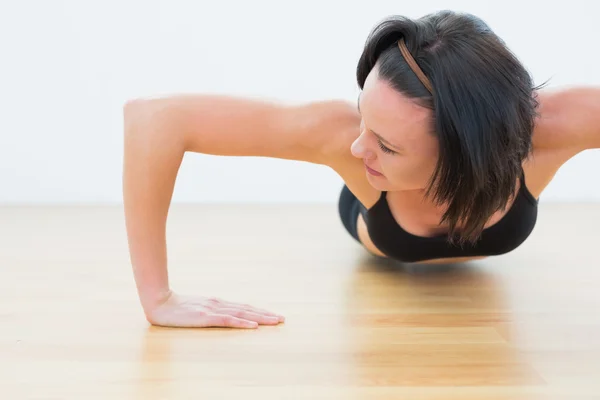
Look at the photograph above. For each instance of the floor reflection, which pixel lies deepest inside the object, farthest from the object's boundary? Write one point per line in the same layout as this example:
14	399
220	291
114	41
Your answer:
432	325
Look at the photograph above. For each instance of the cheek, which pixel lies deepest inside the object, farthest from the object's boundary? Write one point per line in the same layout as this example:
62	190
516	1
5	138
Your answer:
406	172
396	169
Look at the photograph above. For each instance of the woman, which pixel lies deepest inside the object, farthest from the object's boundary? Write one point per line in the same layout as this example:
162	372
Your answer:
443	159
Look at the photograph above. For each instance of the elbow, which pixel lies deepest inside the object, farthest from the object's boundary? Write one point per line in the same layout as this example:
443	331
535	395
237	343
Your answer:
141	110
134	104
151	119
137	114
132	109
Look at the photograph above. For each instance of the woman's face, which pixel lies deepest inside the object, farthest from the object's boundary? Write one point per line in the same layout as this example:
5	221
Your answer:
395	142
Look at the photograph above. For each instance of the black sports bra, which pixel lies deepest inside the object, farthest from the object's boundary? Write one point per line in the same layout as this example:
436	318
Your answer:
502	237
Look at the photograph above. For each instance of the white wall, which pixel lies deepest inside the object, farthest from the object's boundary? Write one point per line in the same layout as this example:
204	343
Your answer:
68	66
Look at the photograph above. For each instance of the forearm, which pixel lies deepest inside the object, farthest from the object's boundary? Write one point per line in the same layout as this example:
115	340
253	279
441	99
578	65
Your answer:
153	152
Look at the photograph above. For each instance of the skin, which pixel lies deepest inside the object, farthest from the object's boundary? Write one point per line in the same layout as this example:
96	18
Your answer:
158	132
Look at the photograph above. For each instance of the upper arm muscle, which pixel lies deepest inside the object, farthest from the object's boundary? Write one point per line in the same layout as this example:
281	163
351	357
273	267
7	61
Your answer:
233	126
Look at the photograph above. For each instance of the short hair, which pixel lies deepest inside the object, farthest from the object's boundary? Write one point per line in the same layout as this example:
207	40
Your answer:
484	107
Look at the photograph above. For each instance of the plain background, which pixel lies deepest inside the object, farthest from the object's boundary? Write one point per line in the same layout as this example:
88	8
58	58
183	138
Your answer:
69	66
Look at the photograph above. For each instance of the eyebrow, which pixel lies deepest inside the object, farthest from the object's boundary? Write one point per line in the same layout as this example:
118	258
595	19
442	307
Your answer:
376	134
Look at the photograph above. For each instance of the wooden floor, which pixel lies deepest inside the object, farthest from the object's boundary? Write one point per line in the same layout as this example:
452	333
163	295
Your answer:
522	326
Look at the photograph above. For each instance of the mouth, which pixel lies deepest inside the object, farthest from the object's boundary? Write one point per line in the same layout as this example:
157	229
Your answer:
372	171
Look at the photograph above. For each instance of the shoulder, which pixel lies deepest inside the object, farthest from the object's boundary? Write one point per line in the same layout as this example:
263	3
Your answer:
327	128
569	120
344	121
568	123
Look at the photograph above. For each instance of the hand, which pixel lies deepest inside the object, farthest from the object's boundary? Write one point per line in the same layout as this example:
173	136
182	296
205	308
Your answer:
203	312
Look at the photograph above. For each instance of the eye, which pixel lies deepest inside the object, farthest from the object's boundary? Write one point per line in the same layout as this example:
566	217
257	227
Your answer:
385	149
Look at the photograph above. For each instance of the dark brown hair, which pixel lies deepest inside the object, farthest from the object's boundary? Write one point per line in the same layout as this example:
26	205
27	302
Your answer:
483	108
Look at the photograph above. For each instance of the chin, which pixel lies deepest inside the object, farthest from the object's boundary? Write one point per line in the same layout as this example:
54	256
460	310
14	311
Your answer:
379	183
382	184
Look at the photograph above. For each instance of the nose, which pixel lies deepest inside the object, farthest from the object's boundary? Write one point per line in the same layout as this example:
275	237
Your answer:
359	148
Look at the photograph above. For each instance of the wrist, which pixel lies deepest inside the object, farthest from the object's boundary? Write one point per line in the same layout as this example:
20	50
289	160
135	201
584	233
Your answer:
151	299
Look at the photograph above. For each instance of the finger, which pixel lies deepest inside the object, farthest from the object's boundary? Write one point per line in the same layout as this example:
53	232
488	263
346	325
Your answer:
280	317
252	316
253	309
263	312
228	321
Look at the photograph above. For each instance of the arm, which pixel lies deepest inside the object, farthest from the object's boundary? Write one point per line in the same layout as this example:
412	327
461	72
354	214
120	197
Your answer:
157	134
571	117
153	152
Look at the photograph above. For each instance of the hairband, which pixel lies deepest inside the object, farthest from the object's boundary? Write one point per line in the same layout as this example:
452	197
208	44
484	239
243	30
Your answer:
414	66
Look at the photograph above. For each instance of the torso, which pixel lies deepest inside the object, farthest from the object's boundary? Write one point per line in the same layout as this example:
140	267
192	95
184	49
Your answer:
418	218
